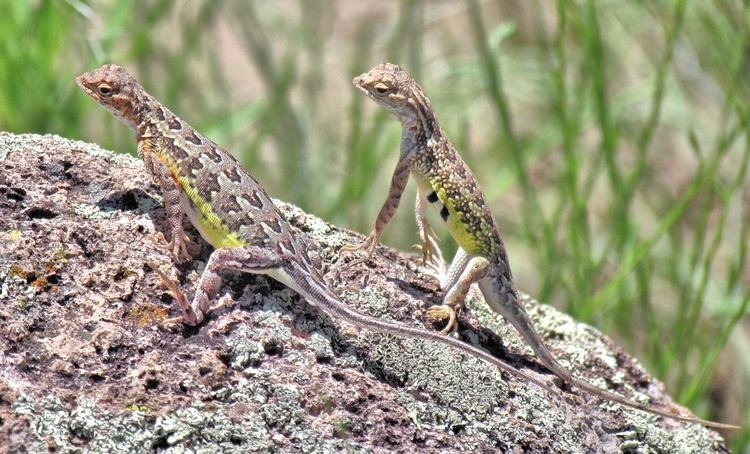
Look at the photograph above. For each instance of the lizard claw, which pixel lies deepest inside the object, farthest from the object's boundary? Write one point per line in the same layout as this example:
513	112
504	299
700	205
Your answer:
429	247
178	246
173	323
368	245
188	314
432	258
440	314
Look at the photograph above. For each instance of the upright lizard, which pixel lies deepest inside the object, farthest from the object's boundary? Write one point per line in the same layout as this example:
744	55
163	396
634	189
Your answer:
233	213
443	176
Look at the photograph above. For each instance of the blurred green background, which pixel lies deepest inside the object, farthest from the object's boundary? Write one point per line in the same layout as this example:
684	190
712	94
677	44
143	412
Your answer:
611	138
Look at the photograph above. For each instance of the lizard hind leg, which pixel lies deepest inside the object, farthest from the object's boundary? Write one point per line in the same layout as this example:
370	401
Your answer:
432	256
471	270
249	259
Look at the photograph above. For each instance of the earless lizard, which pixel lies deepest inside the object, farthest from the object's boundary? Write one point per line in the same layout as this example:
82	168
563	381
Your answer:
233	213
443	178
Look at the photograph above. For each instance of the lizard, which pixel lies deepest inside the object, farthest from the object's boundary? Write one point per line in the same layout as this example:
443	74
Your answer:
234	214
443	177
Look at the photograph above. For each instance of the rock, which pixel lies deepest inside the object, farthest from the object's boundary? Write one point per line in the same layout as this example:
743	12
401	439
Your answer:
91	362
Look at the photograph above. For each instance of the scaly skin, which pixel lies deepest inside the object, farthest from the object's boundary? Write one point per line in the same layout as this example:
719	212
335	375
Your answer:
233	213
442	176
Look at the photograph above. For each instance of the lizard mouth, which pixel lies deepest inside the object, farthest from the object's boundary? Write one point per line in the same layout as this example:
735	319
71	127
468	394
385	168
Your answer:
357	81
360	84
80	82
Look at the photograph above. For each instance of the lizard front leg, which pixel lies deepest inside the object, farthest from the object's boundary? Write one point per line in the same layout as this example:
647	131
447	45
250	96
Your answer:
249	259
454	300
171	195
398	184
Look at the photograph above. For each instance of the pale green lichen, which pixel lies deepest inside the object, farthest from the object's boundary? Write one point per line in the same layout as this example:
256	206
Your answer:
90	211
103	432
321	345
13	235
244	349
467	389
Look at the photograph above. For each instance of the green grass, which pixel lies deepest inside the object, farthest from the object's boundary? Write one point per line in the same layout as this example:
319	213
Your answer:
610	137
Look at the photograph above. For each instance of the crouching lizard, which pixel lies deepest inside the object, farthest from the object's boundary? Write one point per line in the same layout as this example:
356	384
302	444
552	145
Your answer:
233	213
442	176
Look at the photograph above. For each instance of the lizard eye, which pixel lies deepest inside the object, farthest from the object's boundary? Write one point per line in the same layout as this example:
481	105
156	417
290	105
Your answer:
104	90
381	88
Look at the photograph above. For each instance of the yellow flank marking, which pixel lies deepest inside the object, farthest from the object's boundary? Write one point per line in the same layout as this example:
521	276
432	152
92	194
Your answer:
208	223
457	228
456	224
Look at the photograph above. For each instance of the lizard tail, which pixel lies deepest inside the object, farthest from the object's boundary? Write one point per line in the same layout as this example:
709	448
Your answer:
336	308
514	312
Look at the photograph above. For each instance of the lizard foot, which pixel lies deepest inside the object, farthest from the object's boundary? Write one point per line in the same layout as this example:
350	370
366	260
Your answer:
368	245
173	323
189	316
178	246
440	313
431	253
224	302
432	259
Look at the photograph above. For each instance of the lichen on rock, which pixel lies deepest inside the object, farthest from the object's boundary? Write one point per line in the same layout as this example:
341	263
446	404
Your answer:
90	361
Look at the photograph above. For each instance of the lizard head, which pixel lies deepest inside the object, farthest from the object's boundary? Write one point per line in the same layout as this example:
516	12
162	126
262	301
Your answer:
393	88
114	88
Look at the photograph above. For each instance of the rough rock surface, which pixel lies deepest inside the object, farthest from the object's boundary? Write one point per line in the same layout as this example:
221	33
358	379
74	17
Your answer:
91	363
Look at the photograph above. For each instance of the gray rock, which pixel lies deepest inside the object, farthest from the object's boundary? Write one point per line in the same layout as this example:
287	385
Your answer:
91	364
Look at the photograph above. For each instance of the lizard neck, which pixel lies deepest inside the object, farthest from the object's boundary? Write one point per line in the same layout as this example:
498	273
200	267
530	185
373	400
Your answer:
136	108
419	125
421	131
150	114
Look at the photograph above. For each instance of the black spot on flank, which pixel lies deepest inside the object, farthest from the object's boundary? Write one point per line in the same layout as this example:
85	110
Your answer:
160	114
306	257
192	137
208	184
175	124
444	213
432	197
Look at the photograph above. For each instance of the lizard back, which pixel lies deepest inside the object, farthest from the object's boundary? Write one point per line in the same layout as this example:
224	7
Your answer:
223	201
464	208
